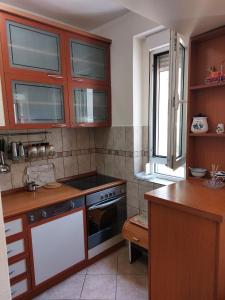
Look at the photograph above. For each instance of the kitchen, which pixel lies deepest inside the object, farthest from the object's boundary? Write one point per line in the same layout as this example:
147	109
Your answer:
76	141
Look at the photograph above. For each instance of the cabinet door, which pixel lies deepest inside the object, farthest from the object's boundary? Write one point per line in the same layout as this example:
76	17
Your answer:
32	47
90	105
88	60
37	104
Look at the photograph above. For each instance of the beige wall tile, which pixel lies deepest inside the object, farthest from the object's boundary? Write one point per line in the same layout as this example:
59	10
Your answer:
70	166
83	138
55	138
144	187
84	163
132	211
132	194
99	136
93	162
18	174
119	138
109	164
145	143
119	167
100	163
109	138
68	139
5	182
129	138
91	138
59	167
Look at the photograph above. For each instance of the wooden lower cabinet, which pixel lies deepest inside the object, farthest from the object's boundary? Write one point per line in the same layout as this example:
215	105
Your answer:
187	255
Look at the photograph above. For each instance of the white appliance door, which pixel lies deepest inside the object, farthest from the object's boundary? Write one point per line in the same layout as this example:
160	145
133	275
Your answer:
57	245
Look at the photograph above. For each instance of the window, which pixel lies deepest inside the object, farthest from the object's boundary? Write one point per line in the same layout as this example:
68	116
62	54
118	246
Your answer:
168	109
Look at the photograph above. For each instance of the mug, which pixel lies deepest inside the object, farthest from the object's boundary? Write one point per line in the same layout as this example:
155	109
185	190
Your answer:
32	151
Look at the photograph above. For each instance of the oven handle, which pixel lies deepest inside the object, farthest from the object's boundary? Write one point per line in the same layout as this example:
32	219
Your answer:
97	206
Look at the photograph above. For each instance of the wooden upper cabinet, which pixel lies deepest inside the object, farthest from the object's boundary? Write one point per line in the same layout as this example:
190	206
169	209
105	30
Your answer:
88	60
35	69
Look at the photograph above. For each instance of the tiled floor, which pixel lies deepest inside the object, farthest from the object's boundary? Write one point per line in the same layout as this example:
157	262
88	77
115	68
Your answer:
111	278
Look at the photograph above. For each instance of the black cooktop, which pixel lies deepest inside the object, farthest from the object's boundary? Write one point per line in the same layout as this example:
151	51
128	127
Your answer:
89	182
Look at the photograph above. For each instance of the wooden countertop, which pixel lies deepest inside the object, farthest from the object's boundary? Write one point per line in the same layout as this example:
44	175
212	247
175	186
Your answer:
191	196
18	202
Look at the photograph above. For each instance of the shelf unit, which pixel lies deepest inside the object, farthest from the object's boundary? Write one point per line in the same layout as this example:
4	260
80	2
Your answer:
205	149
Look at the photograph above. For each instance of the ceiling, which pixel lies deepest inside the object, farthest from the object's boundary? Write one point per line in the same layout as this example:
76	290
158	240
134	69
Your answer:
86	14
185	16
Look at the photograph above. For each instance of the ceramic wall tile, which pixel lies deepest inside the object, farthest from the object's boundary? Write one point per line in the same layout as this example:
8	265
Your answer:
144	188
18	174
119	167
5	182
35	138
91	138
70	166
100	163
132	194
109	138
18	138
119	138
59	167
129	138
145	139
132	211
83	138
68	139
109	164
55	138
84	163
138	138
93	162
99	136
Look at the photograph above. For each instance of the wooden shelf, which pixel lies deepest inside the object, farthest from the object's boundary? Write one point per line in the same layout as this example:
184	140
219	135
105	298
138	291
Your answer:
207	86
208	134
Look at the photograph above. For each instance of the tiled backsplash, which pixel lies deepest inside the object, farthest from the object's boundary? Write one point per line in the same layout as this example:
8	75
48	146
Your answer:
110	151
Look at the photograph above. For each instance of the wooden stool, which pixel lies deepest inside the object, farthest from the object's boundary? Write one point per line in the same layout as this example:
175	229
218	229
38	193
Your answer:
135	230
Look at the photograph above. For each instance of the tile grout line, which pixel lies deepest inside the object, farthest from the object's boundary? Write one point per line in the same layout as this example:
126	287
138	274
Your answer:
117	262
83	286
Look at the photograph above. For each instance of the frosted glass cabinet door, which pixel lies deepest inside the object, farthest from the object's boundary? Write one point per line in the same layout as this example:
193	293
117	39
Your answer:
37	103
87	60
30	48
90	105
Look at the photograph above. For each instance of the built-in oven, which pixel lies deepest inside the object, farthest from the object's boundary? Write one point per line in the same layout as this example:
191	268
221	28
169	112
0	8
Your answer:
106	214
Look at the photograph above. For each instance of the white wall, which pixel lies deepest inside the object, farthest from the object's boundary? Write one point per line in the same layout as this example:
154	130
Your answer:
122	31
4	277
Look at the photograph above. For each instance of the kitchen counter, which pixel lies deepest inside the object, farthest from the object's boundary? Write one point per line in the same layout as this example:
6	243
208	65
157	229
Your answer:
18	202
186	242
191	196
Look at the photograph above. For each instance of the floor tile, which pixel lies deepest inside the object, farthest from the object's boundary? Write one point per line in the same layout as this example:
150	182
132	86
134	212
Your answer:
131	287
99	287
69	289
106	266
139	267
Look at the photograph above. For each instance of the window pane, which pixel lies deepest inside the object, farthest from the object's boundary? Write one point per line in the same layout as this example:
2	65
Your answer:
2	114
31	48
37	103
164	170
160	104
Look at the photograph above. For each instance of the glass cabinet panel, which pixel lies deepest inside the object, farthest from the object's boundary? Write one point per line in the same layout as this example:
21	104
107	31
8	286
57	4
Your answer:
37	103
30	48
87	60
90	105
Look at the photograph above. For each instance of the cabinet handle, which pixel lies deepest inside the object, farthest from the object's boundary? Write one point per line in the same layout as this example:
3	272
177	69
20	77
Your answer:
7	230
9	251
77	79
59	125
135	239
13	292
55	76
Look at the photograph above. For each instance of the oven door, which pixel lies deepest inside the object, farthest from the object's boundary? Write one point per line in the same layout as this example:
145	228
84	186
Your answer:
105	220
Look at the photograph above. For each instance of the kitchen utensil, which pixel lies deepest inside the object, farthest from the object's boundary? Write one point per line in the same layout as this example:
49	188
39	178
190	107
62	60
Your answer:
32	151
198	172
50	150
4	168
14	151
21	150
32	186
41	150
41	174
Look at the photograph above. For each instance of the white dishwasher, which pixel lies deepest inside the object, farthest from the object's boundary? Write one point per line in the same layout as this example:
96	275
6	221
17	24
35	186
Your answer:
57	237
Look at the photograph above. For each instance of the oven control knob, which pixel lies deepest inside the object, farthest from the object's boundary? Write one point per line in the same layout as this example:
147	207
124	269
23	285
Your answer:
110	194
114	193
102	197
31	218
44	214
106	195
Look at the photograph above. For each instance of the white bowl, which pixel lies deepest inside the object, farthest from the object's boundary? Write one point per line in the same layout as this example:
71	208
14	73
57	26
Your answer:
198	172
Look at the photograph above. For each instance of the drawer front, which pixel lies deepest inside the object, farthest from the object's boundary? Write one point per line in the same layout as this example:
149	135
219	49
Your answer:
13	227
19	288
17	268
15	248
135	234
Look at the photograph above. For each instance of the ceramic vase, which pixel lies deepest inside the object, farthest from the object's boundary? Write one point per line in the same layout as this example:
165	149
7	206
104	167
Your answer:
199	125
